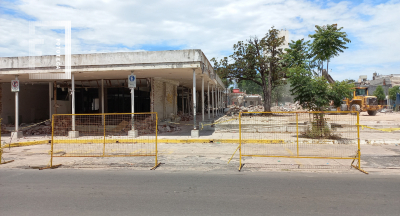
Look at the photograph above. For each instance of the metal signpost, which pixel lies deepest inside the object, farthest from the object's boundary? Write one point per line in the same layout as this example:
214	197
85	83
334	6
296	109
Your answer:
14	85
132	86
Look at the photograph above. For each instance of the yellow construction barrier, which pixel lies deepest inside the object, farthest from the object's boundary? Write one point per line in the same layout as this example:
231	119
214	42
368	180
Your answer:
324	135
2	161
104	135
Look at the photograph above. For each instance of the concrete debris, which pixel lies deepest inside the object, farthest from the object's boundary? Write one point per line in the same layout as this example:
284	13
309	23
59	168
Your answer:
185	117
168	128
234	110
174	118
38	130
287	107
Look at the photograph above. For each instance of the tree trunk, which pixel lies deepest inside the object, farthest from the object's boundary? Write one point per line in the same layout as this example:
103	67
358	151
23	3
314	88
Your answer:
269	90
264	88
322	68
327	66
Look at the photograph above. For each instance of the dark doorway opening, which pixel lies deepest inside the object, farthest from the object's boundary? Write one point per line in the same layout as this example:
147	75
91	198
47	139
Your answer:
119	100
87	100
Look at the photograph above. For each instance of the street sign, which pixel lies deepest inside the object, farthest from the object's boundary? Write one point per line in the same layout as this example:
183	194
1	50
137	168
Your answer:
132	81
14	85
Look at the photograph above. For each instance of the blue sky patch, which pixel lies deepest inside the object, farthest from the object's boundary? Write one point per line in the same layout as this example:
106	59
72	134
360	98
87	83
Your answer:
15	13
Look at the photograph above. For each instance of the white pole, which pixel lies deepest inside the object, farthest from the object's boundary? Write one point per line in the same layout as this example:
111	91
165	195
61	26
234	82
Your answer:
208	99
194	98
183	104
16	108
132	104
202	97
50	91
218	100
188	101
212	95
73	100
102	99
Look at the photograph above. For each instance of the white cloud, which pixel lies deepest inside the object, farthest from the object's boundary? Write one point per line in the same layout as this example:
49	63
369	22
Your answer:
213	26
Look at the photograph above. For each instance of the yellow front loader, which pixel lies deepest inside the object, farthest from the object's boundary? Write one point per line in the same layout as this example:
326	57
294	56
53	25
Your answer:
361	102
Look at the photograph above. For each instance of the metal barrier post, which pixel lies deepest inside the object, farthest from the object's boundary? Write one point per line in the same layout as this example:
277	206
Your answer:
240	141
297	132
156	148
52	140
1	150
358	138
156	140
104	135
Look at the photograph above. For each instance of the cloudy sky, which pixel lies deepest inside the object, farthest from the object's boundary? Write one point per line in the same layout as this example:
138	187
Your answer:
210	25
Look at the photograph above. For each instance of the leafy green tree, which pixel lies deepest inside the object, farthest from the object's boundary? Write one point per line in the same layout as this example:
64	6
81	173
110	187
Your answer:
311	91
314	92
328	42
250	87
379	93
299	55
340	90
257	60
393	91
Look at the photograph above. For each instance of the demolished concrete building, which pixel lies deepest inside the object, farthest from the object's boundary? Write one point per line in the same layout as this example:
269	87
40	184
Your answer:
168	82
239	98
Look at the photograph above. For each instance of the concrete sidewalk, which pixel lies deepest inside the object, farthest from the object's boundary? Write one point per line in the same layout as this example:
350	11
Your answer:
376	159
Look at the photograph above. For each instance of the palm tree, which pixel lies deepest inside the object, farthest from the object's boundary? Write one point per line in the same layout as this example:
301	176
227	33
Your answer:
328	42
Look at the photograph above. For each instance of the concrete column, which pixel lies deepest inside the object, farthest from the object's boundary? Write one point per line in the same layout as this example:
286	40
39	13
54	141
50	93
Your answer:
102	99
50	91
221	102
208	98
73	101
194	98
16	133
16	109
202	97
133	133
188	102
73	133
218	111
183	104
195	132
212	100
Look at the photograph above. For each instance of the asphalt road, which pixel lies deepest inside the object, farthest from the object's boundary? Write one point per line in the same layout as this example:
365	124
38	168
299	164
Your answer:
127	192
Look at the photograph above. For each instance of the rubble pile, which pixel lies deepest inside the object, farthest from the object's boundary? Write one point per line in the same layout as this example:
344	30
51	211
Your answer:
168	128
235	110
146	126
185	116
3	129
39	130
287	107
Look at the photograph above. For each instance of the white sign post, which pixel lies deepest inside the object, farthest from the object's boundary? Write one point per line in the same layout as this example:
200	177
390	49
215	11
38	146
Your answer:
132	85
14	85
132	81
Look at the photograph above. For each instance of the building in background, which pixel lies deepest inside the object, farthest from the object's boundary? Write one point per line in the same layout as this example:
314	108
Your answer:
386	81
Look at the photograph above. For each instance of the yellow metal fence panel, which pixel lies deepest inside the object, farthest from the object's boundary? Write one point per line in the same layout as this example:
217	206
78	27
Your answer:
105	135
299	135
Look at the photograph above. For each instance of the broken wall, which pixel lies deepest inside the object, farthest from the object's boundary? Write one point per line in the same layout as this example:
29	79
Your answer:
33	103
164	93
